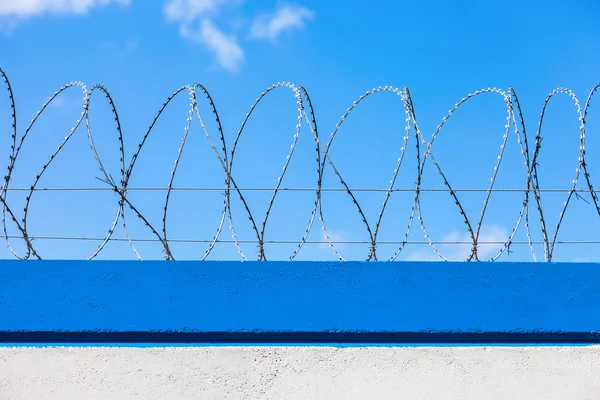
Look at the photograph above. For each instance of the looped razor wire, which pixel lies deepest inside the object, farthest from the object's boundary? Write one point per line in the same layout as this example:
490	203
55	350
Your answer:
260	232
474	233
15	150
327	158
305	116
584	163
549	244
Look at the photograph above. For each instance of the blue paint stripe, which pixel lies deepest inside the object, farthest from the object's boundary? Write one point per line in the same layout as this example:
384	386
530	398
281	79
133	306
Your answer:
300	302
299	337
335	345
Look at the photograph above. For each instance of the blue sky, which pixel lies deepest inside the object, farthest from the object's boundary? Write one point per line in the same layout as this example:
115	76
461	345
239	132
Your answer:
143	51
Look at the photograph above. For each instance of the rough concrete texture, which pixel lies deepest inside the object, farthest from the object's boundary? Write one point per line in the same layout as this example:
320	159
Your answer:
548	373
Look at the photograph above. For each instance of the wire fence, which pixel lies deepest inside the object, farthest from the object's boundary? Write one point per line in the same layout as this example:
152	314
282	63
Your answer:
531	206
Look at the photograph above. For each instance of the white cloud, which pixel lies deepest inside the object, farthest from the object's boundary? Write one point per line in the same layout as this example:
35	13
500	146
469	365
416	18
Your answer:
227	51
288	17
58	102
461	252
191	10
30	8
188	10
196	20
195	23
14	11
334	236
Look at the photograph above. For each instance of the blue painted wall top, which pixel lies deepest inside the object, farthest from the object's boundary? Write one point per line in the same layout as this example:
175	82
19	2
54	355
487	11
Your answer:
160	296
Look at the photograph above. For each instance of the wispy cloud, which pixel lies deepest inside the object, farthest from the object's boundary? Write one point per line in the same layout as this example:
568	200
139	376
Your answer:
461	252
334	236
288	17
58	102
30	8
191	10
13	11
195	19
228	52
197	22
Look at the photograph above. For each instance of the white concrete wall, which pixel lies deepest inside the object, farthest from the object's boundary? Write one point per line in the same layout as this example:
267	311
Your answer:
287	373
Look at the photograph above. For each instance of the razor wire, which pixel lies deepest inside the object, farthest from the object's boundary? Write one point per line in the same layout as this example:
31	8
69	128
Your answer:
305	120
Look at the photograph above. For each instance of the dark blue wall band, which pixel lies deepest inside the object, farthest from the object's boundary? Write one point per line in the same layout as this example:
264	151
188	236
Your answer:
298	302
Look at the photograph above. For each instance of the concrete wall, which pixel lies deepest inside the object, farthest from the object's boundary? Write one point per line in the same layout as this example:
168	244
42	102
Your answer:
190	329
303	373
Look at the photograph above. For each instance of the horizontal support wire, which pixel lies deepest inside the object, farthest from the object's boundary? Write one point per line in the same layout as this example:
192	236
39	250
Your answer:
291	189
382	242
15	210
